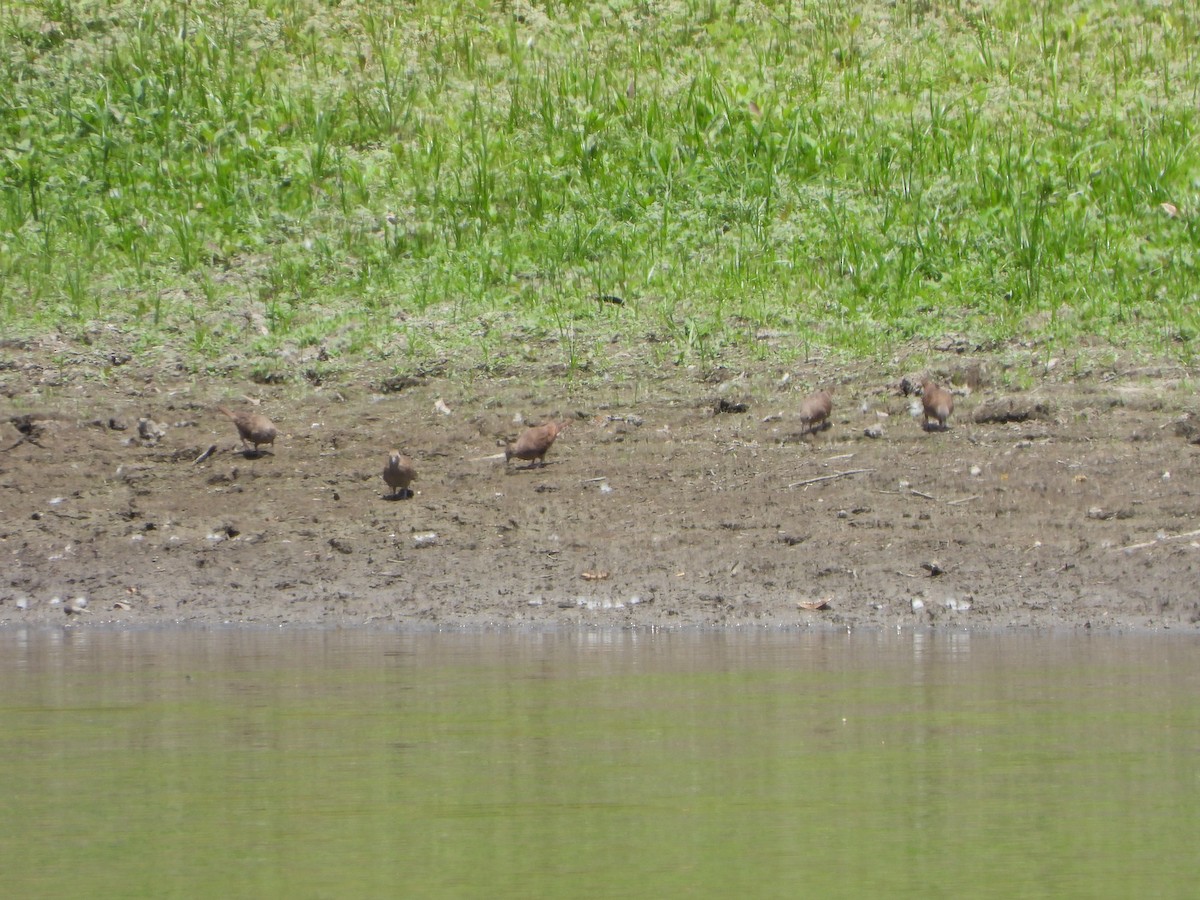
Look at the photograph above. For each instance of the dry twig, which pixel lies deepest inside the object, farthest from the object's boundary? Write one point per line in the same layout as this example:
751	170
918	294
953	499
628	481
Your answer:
806	481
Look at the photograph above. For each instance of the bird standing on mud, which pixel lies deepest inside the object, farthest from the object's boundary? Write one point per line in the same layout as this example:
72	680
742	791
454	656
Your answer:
815	410
253	428
399	473
937	403
533	443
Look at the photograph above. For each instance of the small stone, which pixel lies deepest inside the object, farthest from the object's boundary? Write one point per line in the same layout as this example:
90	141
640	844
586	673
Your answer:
76	606
149	431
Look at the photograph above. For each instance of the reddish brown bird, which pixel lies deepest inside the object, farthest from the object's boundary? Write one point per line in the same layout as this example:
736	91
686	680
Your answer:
399	473
533	443
252	428
938	403
815	410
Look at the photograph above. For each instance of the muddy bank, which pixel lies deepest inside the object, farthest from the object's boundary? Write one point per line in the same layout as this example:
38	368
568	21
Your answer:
674	498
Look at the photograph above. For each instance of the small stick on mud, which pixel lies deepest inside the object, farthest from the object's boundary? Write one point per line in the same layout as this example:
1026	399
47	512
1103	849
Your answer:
1156	541
205	455
962	500
806	481
924	496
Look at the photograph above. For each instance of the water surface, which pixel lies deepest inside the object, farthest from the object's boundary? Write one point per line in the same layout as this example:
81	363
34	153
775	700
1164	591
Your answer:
597	764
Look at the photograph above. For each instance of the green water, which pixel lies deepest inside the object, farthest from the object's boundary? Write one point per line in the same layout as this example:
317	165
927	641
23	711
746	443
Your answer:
196	763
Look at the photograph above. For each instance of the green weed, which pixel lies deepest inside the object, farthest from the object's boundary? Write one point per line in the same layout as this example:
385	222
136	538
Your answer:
851	177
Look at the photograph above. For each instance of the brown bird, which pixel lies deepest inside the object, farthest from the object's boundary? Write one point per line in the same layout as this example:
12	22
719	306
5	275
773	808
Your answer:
533	443
252	428
815	410
399	473
938	403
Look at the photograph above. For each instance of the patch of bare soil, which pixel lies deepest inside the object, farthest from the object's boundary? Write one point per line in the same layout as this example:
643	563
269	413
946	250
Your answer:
673	499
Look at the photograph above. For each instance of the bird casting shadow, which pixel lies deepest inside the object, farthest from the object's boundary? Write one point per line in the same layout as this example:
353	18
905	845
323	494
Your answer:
532	467
402	494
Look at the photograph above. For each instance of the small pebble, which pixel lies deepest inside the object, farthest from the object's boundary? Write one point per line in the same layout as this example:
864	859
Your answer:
76	606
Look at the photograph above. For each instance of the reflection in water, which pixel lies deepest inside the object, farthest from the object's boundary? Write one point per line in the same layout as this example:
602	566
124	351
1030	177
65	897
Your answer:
598	763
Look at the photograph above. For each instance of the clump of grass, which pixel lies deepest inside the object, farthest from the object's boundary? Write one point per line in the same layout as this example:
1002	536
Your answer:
850	175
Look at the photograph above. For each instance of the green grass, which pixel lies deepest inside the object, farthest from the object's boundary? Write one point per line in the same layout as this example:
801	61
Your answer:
461	181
